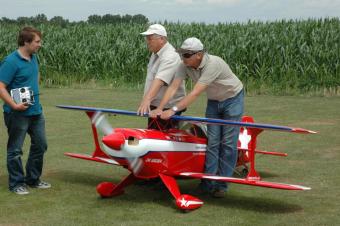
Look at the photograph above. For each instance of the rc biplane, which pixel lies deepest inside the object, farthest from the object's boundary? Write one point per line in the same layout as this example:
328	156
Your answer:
172	153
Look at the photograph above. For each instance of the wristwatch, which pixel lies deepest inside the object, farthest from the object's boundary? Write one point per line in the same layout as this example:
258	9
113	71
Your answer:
174	108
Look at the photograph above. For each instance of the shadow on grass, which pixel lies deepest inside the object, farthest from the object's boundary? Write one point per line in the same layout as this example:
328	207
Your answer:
73	177
266	174
255	204
161	196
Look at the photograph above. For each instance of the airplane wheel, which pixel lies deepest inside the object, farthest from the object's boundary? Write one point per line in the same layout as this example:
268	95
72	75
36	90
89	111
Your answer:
105	189
108	189
188	202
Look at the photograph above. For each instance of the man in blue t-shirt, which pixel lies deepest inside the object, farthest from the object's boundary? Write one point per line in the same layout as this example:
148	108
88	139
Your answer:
17	70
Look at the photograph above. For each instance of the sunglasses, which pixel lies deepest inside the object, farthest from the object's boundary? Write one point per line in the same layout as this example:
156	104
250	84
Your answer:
188	55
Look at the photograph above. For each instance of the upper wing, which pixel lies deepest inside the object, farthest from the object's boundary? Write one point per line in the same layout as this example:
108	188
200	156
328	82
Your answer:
258	183
195	119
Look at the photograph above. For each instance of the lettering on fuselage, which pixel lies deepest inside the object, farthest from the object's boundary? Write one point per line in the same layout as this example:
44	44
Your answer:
154	160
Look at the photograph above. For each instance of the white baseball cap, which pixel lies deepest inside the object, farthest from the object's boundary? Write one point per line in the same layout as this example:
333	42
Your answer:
191	45
155	29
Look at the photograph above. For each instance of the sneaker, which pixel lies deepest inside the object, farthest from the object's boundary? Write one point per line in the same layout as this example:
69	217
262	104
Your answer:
218	194
20	190
41	185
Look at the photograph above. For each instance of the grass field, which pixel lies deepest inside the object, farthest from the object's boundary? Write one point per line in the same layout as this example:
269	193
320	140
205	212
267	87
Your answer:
313	161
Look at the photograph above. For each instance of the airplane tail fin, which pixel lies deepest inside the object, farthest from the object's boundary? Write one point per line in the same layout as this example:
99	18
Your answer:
247	149
246	140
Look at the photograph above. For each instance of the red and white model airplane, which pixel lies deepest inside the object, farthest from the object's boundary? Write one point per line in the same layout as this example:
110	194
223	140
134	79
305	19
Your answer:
149	153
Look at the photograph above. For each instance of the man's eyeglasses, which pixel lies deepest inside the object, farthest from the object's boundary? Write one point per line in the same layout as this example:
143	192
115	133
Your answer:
187	55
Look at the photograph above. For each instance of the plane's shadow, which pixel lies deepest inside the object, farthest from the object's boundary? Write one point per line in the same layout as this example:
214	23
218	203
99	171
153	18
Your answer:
73	177
160	195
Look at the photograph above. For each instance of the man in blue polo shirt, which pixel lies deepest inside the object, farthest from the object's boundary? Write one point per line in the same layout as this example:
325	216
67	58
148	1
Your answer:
17	70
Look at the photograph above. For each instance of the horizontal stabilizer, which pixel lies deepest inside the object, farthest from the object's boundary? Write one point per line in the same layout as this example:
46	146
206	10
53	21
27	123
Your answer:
271	153
266	152
91	158
258	183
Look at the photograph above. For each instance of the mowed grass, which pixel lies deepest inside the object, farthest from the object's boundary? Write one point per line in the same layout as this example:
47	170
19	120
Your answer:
313	161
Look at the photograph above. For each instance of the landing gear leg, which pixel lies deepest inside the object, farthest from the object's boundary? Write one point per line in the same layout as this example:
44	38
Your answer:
183	202
108	189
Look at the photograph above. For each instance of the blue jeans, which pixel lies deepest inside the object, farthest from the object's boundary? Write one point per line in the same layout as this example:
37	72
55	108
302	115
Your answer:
221	154
17	127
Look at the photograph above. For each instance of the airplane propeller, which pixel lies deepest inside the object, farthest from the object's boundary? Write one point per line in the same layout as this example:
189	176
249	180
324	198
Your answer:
115	140
101	123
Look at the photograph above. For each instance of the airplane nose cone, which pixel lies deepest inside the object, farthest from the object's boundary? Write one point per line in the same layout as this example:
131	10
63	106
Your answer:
114	140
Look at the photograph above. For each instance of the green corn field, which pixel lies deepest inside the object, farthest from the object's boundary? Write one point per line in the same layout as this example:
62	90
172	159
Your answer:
282	58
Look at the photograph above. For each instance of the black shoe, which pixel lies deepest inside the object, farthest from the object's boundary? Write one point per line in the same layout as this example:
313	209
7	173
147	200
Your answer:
218	194
201	191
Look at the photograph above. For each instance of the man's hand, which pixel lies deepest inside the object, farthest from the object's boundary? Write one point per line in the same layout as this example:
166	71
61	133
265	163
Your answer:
20	107
155	113
144	108
167	114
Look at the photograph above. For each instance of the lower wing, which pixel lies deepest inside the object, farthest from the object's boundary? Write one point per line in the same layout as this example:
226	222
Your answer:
258	183
92	158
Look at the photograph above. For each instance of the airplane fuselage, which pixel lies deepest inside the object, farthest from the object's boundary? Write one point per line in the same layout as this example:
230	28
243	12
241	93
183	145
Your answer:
149	152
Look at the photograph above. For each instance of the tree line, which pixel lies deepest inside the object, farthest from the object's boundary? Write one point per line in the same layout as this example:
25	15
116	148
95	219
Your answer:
92	19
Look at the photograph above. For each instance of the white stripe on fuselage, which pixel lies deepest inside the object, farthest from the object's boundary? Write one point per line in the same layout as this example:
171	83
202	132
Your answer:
152	145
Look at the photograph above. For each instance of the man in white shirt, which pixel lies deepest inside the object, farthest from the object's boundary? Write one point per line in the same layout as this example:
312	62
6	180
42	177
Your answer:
161	70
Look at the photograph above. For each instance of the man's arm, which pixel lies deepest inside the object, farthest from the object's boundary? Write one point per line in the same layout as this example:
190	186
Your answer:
170	92
4	95
186	101
144	106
